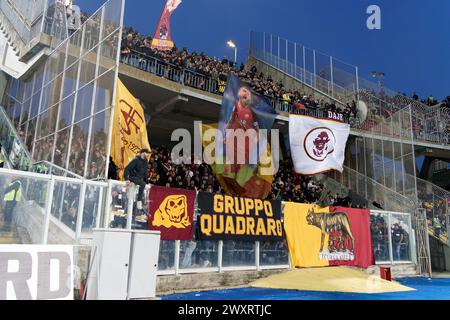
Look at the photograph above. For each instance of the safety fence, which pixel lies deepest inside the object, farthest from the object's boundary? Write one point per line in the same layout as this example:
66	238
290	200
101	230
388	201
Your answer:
382	118
18	156
429	211
61	210
323	72
435	201
326	87
341	81
66	103
386	118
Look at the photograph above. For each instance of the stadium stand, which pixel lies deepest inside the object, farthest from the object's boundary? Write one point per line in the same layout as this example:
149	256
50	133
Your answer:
287	186
210	74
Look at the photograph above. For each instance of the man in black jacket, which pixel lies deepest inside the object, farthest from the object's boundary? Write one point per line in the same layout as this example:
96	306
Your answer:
137	172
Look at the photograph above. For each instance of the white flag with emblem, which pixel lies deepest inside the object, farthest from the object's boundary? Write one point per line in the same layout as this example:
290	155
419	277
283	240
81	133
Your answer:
317	145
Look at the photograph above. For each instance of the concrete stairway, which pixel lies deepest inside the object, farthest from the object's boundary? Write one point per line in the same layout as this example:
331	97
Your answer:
13	39
398	271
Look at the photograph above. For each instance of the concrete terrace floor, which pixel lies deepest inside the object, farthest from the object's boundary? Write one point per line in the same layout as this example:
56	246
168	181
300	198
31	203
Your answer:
426	289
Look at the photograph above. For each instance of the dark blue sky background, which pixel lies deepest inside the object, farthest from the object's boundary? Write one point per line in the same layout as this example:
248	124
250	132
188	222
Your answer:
412	48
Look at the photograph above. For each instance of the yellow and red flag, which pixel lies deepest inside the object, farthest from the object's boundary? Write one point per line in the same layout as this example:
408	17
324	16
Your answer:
129	133
162	40
332	236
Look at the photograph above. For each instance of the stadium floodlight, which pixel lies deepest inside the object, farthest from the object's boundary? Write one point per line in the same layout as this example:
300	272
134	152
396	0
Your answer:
379	75
231	44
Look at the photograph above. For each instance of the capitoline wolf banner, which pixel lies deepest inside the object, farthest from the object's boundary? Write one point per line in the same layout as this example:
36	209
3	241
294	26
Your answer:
171	211
317	145
332	236
224	217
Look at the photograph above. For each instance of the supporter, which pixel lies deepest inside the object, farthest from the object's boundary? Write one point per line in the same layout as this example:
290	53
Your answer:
201	69
379	231
287	186
69	217
137	172
398	238
431	101
113	170
437	226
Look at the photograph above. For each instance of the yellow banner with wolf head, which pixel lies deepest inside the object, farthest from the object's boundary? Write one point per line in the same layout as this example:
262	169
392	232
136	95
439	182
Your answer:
303	238
129	134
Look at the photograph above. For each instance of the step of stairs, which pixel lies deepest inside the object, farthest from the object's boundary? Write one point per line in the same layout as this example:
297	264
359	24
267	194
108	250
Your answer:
398	271
9	237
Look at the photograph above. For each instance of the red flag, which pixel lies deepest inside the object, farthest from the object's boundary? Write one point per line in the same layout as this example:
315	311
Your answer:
171	211
362	240
162	40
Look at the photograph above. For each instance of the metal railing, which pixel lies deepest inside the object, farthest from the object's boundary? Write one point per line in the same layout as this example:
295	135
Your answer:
61	210
370	190
46	167
17	153
435	201
322	85
431	198
172	72
391	96
206	83
378	196
430	124
391	120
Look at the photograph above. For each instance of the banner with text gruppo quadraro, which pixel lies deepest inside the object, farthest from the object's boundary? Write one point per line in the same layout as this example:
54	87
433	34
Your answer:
232	218
332	236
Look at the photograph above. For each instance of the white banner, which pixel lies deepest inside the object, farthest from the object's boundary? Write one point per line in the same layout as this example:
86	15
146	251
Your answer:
317	145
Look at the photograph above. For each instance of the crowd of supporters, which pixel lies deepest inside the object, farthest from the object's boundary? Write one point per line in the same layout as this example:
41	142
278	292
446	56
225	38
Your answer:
446	103
210	74
379	229
431	101
286	186
216	69
436	212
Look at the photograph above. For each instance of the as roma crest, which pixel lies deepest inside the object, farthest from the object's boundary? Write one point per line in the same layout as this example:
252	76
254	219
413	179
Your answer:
319	143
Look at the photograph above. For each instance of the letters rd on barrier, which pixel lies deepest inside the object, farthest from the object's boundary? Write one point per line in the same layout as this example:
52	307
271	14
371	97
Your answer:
35	272
232	218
